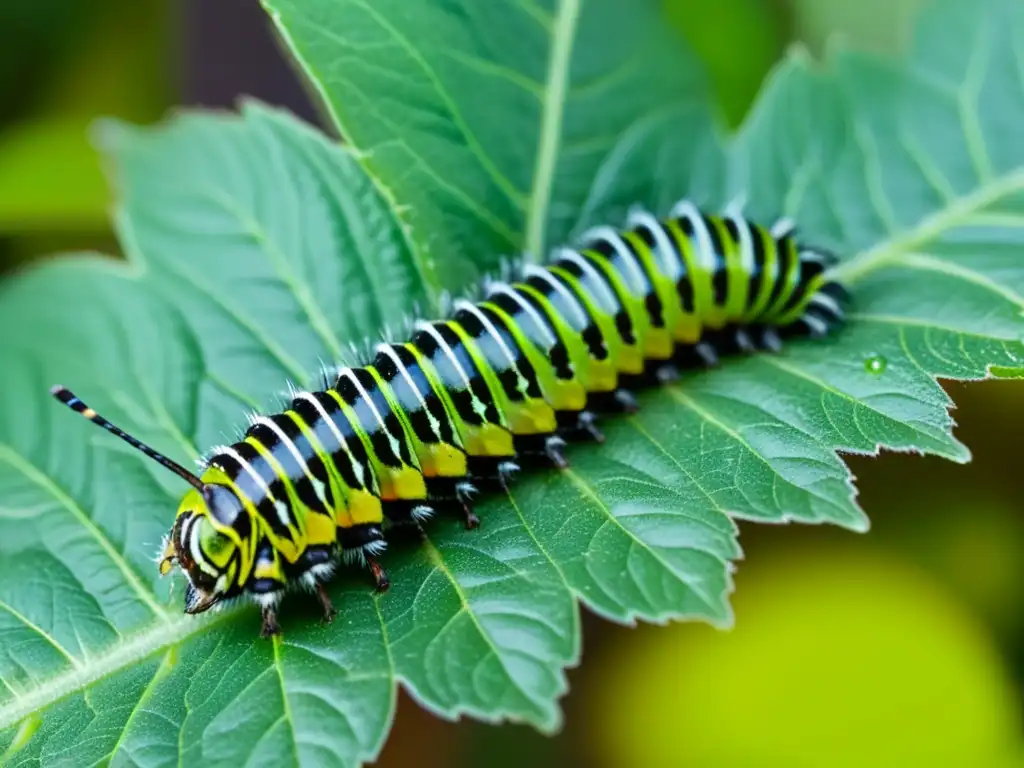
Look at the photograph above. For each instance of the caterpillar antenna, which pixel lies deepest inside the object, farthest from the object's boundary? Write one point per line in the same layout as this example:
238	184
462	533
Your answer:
66	396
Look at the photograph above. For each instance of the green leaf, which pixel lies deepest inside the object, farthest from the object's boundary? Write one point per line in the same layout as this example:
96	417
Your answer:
259	248
502	125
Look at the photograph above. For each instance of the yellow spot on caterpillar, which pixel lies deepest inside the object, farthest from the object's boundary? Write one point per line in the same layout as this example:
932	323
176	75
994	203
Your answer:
658	345
363	507
89	413
496	440
447	460
409	484
631	360
531	418
568	396
688	330
320	529
268	569
603	376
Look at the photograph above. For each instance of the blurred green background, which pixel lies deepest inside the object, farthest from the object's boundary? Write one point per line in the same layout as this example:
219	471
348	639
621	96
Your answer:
904	647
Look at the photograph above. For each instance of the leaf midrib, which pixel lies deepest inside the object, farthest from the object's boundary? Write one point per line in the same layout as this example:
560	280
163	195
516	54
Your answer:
126	652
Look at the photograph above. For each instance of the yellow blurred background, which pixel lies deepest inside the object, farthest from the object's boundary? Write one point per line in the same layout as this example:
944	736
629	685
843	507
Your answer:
904	647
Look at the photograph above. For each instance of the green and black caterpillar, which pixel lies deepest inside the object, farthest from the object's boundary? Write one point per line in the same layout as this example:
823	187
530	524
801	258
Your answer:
509	379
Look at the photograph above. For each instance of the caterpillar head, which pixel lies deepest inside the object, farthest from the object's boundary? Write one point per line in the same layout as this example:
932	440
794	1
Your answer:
203	541
204	545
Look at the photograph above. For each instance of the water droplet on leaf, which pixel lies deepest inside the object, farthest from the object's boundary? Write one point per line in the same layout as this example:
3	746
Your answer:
875	364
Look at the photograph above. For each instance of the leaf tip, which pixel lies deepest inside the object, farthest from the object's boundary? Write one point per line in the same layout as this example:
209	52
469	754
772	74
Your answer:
724	619
960	453
552	722
859	524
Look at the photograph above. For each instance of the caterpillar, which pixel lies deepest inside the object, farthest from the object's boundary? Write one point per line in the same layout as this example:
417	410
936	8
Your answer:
509	379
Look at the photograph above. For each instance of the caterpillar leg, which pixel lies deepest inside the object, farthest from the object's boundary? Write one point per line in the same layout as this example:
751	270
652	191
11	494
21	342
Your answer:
380	576
361	542
463	493
743	342
707	354
270	626
579	426
770	341
588	426
506	470
553	448
667	373
627	401
450	493
325	602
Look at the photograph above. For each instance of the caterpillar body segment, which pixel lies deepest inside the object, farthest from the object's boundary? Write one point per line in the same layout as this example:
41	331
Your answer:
506	380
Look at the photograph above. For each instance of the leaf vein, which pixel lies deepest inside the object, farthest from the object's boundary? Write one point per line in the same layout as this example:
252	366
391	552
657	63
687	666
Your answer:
634	540
31	625
472	143
442	567
299	289
562	37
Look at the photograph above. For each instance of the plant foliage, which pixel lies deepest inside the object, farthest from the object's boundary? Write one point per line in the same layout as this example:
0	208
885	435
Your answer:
259	248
